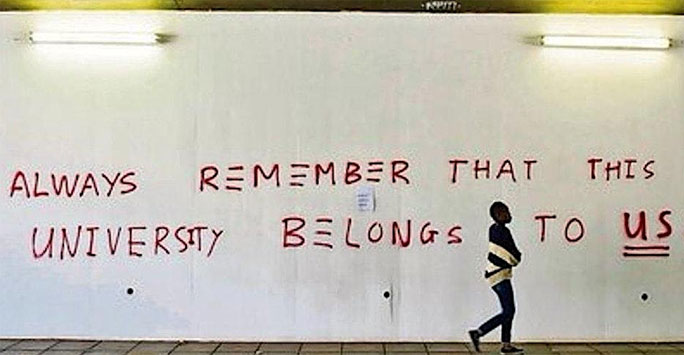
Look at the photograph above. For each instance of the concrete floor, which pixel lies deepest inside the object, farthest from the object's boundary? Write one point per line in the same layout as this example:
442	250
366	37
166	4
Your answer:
54	347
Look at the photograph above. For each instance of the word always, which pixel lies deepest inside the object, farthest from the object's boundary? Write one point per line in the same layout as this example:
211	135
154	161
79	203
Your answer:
70	185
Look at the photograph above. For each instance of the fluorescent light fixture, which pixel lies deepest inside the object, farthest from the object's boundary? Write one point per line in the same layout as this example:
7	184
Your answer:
605	42
121	38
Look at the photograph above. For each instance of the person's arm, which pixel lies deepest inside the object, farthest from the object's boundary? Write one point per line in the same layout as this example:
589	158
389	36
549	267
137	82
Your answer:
502	249
513	248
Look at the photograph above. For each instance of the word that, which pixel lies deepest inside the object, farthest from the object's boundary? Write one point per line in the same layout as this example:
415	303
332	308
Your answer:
482	169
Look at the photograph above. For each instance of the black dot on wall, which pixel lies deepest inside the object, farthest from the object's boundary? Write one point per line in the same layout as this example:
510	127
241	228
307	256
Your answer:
129	291
386	294
644	297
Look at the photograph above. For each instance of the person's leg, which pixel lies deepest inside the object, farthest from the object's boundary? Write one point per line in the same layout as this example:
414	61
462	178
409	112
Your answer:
505	292
492	323
508	306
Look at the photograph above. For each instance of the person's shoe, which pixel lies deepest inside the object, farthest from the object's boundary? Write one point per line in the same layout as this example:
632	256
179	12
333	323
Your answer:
505	350
475	339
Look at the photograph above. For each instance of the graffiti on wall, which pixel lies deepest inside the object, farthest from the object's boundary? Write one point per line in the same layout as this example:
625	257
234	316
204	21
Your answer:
645	233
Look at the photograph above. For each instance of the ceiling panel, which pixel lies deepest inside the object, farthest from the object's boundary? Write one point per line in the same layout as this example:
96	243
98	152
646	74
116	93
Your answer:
462	6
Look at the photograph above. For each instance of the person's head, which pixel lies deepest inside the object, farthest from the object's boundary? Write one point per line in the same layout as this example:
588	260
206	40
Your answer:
500	213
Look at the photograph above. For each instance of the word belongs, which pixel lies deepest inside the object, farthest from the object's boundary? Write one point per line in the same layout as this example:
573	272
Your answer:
297	230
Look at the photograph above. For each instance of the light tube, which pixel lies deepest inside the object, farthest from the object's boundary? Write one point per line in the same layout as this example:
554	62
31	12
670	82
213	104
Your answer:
605	42
120	38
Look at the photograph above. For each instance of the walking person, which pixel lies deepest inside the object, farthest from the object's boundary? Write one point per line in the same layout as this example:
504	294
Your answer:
502	257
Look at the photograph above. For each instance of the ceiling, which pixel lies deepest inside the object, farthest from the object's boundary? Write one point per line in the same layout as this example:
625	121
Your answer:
459	6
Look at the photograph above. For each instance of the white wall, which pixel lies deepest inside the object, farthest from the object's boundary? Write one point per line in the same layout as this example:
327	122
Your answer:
248	88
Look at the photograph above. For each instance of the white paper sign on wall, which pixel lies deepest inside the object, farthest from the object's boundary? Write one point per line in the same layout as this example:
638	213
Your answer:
365	199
